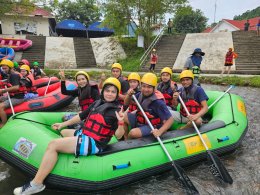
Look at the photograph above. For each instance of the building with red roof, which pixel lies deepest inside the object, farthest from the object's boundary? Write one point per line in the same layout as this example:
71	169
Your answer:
36	21
227	25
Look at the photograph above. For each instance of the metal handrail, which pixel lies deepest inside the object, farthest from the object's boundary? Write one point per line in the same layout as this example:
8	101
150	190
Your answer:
156	39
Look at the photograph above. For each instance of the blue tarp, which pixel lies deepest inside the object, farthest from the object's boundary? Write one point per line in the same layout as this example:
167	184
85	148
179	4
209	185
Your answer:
70	25
96	27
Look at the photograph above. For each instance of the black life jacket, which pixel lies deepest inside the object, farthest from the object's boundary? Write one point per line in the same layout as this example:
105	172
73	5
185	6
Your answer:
166	90
95	125
85	96
145	103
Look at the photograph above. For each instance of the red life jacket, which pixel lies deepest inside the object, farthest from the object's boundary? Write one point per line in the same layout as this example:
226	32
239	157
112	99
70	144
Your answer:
229	58
167	96
192	106
145	105
154	58
95	125
87	101
21	90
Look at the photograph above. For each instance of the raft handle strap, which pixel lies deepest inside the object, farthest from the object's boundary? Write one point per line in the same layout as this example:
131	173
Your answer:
122	166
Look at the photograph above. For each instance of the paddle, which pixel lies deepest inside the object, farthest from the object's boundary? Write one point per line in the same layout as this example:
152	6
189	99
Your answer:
178	172
231	87
10	102
216	167
47	86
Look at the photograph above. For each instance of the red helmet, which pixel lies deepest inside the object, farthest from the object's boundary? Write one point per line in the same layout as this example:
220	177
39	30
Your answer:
25	62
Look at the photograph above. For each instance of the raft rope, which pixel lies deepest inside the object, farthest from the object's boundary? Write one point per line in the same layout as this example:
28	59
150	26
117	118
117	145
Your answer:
232	110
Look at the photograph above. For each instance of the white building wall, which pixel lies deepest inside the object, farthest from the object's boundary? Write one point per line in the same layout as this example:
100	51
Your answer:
42	24
60	52
224	27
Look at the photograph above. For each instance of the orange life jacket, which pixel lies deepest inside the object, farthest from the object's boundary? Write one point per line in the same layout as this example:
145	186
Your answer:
145	105
95	125
192	106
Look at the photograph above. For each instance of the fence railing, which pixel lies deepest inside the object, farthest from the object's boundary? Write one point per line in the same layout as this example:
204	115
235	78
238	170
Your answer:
148	51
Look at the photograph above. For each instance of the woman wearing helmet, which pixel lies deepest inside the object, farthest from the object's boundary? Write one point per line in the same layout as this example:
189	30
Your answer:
108	119
13	84
134	83
153	60
229	59
194	98
27	82
167	87
152	102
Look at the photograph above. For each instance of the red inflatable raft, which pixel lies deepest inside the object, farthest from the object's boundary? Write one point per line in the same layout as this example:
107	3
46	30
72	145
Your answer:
44	81
16	44
53	99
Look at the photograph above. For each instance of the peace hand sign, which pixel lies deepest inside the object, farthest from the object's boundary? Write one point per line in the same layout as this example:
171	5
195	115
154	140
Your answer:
120	115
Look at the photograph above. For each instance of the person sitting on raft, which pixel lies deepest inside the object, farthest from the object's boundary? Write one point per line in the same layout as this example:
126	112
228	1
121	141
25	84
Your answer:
134	83
107	117
116	71
37	72
86	92
153	104
167	87
15	90
194	98
27	82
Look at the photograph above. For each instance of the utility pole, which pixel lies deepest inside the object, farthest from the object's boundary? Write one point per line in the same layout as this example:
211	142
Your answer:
215	11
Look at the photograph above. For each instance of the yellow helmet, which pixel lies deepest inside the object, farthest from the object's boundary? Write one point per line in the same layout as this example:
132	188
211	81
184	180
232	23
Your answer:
134	76
113	81
166	70
82	73
187	73
25	67
8	63
149	79
117	65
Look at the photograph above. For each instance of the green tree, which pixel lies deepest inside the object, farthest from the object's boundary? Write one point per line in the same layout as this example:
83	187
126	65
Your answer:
17	7
84	11
147	13
187	20
248	14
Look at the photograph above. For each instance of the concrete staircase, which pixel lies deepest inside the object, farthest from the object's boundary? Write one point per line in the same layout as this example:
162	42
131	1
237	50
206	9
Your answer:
167	49
37	51
247	46
84	54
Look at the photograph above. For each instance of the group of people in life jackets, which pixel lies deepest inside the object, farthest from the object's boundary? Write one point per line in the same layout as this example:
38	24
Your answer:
16	81
109	109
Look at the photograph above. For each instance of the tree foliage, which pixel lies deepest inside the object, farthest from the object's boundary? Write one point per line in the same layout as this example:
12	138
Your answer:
248	14
84	11
17	7
187	20
147	13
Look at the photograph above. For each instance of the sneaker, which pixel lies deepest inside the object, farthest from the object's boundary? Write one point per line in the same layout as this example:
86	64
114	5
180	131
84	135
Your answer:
28	189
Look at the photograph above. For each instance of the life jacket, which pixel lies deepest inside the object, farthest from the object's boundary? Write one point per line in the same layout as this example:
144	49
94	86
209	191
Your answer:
153	58
28	84
21	90
133	106
229	58
85	96
196	71
189	101
155	120
37	72
166	90
121	80
95	125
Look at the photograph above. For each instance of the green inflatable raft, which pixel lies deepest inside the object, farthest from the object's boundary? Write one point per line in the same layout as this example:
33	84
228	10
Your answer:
24	138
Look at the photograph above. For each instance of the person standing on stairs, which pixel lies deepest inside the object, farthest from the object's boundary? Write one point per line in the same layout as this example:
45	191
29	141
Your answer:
153	60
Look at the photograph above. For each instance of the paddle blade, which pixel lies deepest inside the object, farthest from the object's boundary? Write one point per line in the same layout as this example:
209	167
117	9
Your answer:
184	180
218	169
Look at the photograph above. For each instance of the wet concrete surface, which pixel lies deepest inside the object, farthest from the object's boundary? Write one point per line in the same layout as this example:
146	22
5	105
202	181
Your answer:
243	165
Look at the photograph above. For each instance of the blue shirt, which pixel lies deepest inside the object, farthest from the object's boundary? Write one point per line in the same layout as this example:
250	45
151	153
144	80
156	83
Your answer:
158	108
199	95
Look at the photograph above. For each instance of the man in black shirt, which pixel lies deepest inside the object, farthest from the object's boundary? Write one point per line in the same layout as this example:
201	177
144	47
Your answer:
13	81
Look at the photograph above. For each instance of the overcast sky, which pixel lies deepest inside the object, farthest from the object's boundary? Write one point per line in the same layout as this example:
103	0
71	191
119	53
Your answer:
226	9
